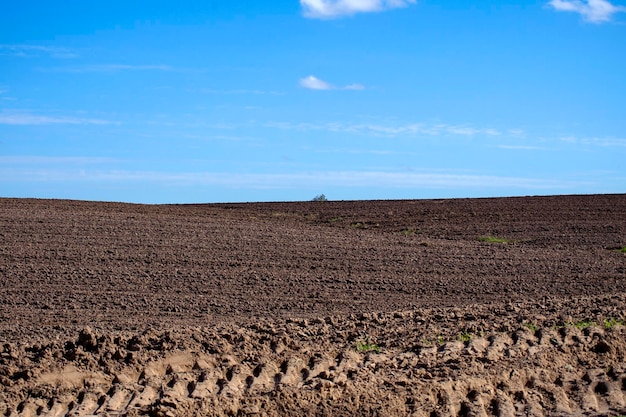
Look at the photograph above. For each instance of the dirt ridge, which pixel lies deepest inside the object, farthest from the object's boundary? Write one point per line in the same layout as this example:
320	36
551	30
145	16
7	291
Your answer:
444	362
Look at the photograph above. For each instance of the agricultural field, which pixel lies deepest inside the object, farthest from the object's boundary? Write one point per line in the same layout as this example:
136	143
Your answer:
460	307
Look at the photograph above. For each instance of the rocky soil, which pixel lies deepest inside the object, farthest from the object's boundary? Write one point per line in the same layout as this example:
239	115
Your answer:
468	307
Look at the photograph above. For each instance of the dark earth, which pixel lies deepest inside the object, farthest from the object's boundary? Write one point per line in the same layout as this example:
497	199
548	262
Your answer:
502	306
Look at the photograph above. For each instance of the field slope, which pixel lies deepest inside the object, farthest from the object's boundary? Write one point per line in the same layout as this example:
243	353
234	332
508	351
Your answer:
491	307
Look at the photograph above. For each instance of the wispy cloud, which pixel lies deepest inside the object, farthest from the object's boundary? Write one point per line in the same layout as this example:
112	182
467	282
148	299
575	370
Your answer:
516	132
242	91
29	51
595	11
54	160
227	138
313	83
357	87
110	68
387	179
330	9
411	129
25	119
520	147
362	151
4	97
604	142
443	130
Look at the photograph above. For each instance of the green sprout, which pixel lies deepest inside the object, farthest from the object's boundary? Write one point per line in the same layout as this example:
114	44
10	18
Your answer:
465	337
610	323
532	327
364	346
583	324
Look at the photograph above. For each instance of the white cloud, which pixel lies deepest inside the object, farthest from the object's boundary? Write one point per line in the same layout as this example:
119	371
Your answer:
362	151
604	142
468	131
440	129
516	132
596	11
313	83
241	91
60	160
411	129
520	147
123	67
110	68
387	179
19	118
357	87
28	51
328	9
3	95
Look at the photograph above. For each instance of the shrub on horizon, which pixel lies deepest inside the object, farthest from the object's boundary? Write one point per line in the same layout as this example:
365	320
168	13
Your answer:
320	197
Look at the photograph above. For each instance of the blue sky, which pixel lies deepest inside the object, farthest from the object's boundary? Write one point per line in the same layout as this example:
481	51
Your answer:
213	101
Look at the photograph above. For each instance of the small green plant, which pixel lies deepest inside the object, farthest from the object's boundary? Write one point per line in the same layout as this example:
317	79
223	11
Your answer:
357	225
583	324
465	337
427	342
408	232
364	346
623	250
336	219
532	327
610	323
320	197
492	239
440	340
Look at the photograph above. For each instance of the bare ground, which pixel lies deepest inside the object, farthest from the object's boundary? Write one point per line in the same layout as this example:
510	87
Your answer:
386	308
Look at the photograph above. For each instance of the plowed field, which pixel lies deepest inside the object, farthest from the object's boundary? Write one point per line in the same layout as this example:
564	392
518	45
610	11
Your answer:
491	307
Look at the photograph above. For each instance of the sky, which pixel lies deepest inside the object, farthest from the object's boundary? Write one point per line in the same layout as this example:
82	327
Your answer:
154	101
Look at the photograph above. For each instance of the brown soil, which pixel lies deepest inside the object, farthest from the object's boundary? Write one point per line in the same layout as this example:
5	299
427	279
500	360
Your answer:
387	308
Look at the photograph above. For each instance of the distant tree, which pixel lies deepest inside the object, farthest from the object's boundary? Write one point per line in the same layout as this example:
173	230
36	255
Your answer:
320	197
